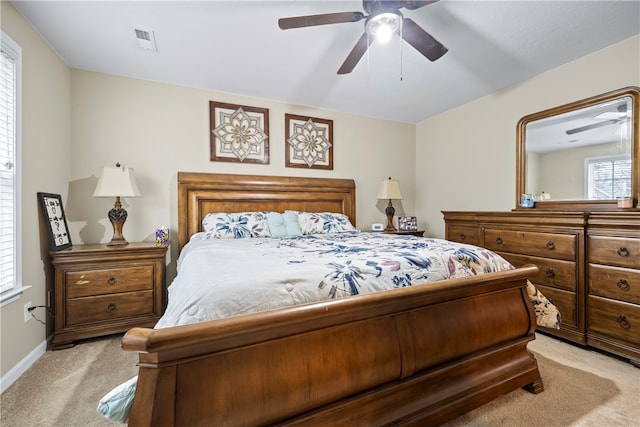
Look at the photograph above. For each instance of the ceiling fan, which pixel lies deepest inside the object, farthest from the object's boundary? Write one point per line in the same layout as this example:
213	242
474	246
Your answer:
611	117
383	19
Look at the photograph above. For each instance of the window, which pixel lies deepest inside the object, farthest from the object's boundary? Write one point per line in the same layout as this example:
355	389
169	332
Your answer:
10	237
608	177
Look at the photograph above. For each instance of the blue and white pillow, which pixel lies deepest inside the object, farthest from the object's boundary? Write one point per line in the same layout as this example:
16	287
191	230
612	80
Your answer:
324	222
236	225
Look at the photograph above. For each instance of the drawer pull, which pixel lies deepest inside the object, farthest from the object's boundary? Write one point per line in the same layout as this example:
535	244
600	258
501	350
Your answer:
462	236
550	273
550	245
111	281
111	306
623	322
623	284
499	240
622	251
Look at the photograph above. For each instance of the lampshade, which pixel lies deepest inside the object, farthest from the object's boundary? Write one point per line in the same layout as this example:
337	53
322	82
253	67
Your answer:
390	189
117	181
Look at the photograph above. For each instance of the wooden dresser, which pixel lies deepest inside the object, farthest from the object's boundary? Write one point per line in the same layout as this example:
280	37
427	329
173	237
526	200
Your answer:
613	272
102	290
589	266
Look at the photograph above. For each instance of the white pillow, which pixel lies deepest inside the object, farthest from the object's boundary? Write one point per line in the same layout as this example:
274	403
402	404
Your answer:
236	225
324	222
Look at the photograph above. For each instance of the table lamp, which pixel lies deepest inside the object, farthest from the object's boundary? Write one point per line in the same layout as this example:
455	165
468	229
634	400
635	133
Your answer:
390	189
117	181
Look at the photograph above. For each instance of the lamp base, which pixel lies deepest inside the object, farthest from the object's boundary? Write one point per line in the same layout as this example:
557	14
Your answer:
117	216
118	242
390	211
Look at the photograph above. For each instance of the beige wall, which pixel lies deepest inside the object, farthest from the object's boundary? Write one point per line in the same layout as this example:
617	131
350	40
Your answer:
465	158
160	129
46	121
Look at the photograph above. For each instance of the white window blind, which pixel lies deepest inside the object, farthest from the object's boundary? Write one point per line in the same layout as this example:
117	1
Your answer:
609	177
9	165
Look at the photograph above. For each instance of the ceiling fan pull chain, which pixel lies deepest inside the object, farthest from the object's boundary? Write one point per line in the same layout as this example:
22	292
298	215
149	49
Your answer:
401	49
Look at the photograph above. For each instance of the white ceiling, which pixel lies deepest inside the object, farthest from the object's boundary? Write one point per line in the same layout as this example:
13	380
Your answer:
236	47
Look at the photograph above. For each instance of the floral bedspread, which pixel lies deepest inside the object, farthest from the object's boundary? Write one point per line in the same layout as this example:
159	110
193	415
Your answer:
225	277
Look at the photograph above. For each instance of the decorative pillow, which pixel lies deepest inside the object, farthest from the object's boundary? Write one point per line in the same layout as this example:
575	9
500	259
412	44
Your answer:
275	221
236	225
291	222
116	405
324	222
283	225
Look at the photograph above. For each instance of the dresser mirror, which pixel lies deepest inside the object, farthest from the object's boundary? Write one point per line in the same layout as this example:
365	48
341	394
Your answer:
582	155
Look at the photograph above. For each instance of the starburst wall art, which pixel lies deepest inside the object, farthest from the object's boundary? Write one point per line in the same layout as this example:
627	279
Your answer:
308	142
239	133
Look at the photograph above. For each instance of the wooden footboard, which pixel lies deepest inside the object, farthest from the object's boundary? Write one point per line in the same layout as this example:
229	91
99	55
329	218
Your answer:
419	355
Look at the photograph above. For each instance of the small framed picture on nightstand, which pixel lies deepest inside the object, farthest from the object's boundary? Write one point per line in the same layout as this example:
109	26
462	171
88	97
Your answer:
407	223
55	221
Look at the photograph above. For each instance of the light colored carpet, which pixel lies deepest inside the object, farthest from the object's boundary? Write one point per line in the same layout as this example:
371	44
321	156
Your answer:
582	388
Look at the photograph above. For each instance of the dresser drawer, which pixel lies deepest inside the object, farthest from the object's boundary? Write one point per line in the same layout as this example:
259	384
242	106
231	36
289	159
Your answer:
613	282
553	273
461	234
558	246
565	302
80	311
614	318
108	281
618	251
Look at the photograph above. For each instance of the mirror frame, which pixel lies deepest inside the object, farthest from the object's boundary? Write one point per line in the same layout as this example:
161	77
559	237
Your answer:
580	205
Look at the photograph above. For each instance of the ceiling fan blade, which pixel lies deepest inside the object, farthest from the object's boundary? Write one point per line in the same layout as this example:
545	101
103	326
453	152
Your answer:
412	5
591	126
356	53
313	20
422	41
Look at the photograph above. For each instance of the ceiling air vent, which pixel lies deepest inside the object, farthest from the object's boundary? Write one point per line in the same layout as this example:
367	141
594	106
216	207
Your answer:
145	39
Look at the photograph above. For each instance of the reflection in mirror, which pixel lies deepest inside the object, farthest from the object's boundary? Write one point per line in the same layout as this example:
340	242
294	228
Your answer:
581	155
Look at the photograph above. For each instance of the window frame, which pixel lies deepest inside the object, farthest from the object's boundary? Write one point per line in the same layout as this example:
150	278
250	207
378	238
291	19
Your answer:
14	50
600	159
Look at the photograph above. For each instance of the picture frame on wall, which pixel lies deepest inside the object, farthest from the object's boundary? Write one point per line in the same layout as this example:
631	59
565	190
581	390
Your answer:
407	223
308	142
55	221
239	133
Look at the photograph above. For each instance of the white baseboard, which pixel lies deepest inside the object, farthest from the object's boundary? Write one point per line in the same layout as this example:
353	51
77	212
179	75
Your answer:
22	366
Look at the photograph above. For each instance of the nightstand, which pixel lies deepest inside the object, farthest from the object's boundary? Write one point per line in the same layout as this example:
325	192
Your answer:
417	233
101	290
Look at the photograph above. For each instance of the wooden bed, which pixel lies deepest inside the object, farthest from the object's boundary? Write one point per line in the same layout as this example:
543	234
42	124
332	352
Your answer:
419	355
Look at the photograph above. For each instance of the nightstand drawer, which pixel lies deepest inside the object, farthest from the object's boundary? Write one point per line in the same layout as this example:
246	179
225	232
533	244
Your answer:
108	281
551	245
81	311
616	319
551	272
613	282
614	251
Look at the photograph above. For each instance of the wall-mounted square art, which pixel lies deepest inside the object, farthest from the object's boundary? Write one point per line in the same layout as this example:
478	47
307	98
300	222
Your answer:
308	142
239	133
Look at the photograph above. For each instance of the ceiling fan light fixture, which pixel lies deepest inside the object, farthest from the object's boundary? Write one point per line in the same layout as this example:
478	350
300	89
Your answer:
383	25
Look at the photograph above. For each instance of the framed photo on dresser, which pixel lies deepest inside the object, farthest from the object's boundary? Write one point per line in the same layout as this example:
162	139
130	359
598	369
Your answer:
55	221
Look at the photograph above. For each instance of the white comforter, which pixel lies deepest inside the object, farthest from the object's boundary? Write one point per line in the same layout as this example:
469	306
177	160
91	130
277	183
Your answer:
227	277
220	278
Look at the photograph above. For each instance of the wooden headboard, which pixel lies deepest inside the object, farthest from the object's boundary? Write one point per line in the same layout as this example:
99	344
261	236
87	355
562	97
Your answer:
202	193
